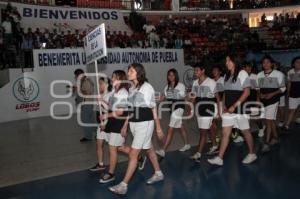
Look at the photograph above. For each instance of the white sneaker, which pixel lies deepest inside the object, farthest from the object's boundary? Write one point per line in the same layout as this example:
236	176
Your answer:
261	133
155	178
280	124
265	148
238	139
249	158
216	161
185	148
212	150
161	153
119	189
196	156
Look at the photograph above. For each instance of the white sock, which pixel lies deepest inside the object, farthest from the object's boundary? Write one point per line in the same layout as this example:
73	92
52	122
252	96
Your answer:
159	173
123	184
101	163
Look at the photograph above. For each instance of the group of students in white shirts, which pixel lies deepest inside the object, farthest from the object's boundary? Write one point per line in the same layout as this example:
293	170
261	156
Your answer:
210	100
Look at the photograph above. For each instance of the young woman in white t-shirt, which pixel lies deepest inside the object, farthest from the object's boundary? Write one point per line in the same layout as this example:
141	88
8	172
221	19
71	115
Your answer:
105	88
142	120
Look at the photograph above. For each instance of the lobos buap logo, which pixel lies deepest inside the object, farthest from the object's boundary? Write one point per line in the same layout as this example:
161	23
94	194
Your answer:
26	90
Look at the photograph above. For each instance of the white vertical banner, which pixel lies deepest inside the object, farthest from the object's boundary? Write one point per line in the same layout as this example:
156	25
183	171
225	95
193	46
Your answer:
95	44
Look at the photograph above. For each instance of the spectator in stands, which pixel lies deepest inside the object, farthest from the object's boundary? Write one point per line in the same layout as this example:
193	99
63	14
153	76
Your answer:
68	38
138	4
27	47
187	42
37	38
153	39
7	27
148	27
77	35
263	19
178	42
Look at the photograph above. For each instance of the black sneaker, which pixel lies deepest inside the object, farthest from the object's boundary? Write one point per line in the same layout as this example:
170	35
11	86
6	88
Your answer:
141	162
97	167
106	178
198	160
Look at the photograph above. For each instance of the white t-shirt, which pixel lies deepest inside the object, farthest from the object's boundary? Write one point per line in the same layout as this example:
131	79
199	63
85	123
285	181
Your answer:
273	80
148	28
207	89
253	81
294	79
7	27
220	84
142	97
118	99
104	104
176	93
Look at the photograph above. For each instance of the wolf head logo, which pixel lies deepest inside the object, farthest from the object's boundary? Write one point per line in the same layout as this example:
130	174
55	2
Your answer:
24	91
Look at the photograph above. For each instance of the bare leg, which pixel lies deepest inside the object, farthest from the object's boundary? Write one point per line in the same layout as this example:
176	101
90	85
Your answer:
153	158
99	149
169	138
125	149
249	140
290	117
274	129
225	140
132	164
113	159
213	133
184	135
202	140
280	115
268	130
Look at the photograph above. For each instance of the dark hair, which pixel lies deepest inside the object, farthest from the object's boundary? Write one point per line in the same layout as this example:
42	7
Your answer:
78	72
237	69
107	81
219	68
141	73
200	66
121	75
175	72
268	57
253	67
294	61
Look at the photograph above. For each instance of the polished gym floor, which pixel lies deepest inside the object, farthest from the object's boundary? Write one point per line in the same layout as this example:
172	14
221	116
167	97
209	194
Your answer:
33	151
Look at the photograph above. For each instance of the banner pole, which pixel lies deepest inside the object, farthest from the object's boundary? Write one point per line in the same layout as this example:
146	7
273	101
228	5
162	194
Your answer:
97	83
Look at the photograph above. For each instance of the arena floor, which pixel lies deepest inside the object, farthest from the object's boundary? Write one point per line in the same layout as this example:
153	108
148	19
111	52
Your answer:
275	175
36	149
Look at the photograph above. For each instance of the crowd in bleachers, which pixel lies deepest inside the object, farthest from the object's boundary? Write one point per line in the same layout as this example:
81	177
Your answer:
224	5
203	39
